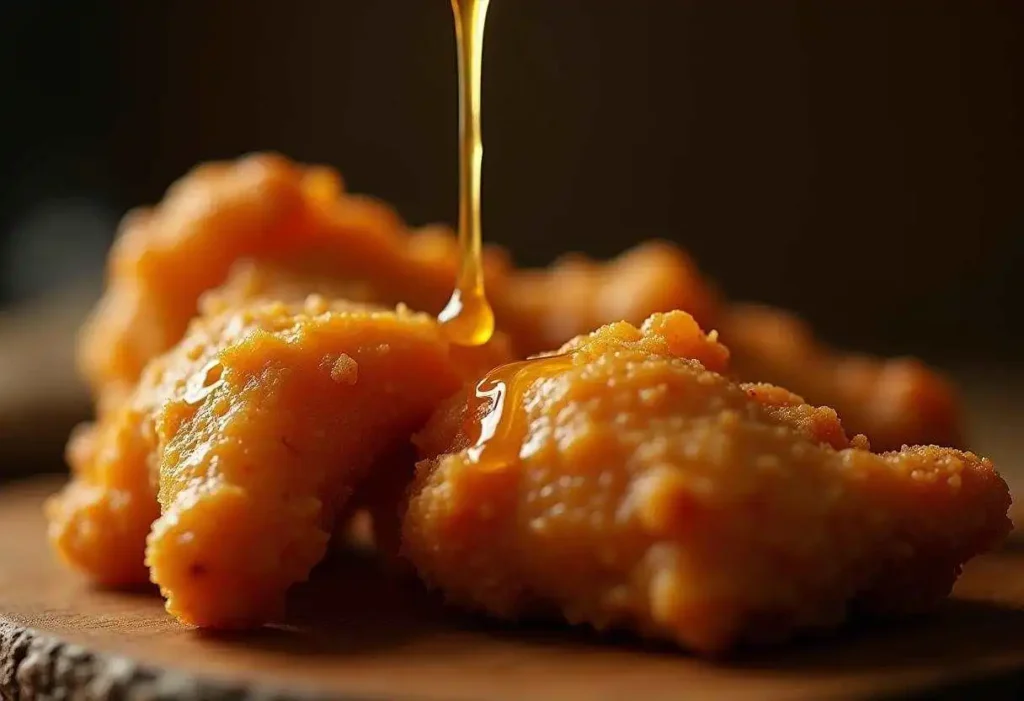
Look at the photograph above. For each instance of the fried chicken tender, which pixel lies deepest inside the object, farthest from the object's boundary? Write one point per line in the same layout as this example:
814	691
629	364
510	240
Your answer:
894	402
260	457
301	219
626	482
100	521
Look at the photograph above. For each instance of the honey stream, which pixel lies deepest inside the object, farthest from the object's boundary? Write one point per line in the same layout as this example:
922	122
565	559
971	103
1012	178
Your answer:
495	410
468	319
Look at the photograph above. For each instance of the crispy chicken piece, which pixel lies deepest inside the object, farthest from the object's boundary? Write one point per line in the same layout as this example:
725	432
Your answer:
260	456
894	402
622	483
99	523
301	219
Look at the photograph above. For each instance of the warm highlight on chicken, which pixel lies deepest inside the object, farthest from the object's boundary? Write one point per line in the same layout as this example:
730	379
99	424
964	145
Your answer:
641	488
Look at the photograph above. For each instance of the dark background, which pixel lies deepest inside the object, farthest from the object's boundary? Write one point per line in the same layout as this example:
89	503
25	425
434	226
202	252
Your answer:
858	161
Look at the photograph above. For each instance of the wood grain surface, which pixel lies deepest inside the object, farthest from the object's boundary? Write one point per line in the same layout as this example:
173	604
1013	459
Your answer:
354	633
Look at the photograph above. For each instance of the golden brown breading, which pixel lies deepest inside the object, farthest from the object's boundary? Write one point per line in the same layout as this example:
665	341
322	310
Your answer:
626	485
99	523
895	402
259	459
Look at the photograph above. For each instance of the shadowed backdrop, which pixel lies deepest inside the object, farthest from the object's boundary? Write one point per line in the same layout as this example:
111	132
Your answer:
860	161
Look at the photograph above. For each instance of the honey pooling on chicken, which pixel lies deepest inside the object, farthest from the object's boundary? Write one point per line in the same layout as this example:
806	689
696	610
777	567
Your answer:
635	487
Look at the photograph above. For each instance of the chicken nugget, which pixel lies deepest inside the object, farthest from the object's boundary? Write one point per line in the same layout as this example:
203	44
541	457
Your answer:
621	483
99	522
260	455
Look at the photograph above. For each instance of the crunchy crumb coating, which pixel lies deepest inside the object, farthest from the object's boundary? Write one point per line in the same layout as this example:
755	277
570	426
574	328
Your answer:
259	456
648	492
267	208
895	402
99	522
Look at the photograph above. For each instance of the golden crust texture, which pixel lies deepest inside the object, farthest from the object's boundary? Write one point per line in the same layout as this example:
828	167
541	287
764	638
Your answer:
257	394
99	522
257	465
639	489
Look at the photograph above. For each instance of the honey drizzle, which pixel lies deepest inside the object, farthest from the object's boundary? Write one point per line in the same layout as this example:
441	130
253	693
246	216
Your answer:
468	319
495	411
497	408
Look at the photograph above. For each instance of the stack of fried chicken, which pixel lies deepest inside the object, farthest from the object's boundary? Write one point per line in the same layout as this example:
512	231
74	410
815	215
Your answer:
266	363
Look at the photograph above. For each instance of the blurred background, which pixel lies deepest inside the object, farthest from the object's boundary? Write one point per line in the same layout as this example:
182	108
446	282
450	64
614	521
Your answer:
860	161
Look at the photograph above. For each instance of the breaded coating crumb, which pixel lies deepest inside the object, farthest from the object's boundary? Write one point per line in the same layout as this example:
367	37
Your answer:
99	523
626	485
261	455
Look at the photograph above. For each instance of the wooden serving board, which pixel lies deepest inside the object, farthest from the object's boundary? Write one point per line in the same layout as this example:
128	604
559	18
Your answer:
357	634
